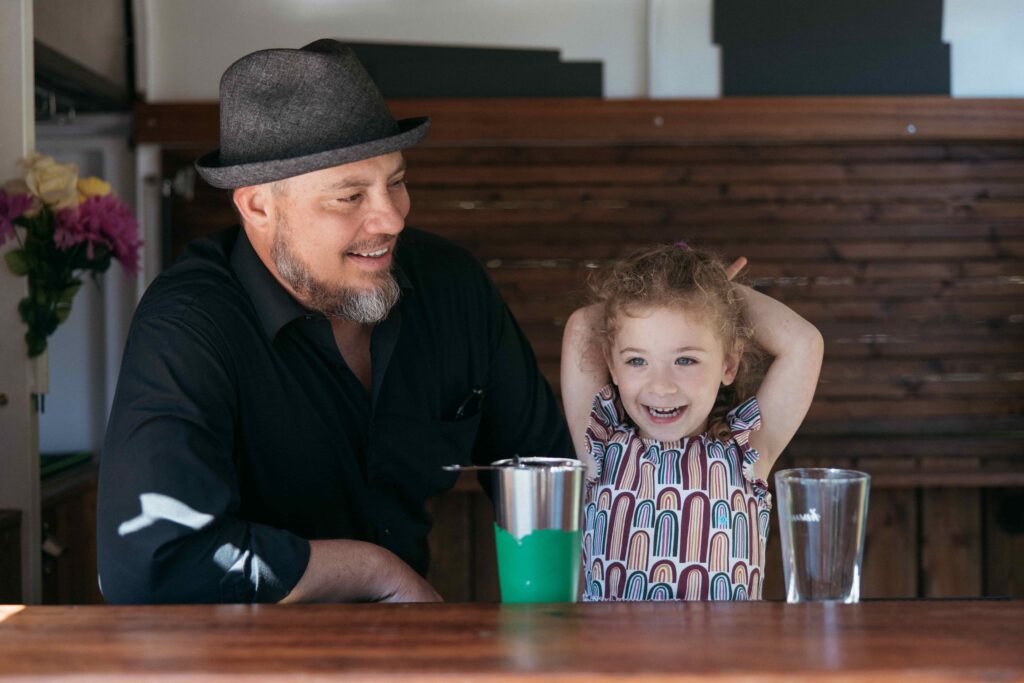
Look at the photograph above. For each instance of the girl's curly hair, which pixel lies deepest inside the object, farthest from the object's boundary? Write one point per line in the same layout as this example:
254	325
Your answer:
696	280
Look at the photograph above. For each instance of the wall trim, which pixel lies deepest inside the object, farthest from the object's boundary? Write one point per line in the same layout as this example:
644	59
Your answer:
568	121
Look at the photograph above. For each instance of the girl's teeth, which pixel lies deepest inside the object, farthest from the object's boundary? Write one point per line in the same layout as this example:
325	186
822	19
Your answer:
662	412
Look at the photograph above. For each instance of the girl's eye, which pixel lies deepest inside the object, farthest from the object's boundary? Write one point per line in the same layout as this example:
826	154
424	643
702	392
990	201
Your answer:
636	362
682	360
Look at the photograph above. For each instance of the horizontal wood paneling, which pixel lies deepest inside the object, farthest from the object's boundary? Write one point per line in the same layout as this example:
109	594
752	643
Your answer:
907	251
732	119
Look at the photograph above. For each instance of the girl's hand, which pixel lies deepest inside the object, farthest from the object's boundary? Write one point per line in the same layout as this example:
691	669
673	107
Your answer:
736	266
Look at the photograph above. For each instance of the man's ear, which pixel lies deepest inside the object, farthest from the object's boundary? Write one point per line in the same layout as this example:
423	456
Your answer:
254	204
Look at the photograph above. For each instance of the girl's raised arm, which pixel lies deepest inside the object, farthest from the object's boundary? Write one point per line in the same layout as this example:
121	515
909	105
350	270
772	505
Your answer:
796	347
584	372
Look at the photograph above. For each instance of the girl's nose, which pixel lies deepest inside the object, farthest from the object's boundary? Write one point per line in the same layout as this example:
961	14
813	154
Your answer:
662	386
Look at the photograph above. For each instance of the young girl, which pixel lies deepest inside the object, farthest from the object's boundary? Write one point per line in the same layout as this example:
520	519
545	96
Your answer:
676	506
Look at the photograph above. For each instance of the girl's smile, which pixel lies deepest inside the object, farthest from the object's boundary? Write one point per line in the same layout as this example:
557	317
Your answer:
665	415
668	365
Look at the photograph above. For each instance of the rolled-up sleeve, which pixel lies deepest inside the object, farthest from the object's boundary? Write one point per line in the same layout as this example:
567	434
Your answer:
168	525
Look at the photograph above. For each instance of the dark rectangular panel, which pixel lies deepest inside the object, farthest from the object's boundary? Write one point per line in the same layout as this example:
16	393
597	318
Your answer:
838	47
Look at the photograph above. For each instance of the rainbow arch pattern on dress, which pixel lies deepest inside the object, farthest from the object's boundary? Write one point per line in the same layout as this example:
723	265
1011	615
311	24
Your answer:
673	521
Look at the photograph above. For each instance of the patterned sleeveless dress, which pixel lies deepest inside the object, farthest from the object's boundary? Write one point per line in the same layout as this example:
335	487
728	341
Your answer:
682	520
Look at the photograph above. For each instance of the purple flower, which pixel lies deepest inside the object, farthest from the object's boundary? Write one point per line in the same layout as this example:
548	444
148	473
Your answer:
101	220
11	206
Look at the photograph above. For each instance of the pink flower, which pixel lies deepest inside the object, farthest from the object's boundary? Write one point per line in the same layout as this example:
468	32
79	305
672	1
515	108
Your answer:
101	220
11	206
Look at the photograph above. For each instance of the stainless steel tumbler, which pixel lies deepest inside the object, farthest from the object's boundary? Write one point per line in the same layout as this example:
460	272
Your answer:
537	528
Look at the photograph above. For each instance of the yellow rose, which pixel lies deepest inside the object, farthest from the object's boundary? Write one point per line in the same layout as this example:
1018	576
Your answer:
92	187
56	184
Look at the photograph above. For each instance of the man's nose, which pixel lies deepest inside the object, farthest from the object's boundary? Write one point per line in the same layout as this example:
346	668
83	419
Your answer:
388	216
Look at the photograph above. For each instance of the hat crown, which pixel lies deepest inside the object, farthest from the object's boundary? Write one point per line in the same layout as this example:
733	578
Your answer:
283	104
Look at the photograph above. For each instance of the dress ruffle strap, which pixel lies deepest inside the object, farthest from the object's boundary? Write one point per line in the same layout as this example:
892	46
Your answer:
608	407
605	417
743	419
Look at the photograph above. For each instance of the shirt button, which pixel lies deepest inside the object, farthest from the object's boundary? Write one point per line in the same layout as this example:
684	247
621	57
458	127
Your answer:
387	532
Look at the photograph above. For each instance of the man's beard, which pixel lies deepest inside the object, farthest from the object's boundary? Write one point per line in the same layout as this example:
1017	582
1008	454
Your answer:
334	301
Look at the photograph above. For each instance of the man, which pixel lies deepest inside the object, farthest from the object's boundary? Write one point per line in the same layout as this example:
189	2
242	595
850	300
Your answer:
290	390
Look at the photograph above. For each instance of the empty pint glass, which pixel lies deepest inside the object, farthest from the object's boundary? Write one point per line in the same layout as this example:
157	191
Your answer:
822	517
537	528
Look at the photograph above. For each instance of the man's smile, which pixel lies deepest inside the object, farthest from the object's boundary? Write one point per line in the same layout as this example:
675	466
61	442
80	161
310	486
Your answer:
370	254
372	257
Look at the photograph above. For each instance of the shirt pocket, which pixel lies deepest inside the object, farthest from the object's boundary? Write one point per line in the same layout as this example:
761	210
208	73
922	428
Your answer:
409	452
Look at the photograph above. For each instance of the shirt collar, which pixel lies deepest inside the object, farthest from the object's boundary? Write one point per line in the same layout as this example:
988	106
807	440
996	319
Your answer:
274	306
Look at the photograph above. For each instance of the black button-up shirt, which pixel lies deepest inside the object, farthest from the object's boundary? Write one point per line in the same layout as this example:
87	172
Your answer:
238	432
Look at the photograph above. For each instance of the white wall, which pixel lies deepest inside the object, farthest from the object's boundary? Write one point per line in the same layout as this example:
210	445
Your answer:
987	38
91	33
683	60
187	44
650	48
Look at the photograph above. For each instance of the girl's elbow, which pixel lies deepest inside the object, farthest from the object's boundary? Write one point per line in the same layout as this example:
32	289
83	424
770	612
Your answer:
817	342
580	321
811	347
804	344
812	338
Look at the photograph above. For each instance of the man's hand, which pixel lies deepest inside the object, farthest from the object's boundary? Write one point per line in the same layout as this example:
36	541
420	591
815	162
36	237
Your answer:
408	586
355	571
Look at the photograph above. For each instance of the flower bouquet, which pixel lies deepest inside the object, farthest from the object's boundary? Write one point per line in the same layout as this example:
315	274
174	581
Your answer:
65	227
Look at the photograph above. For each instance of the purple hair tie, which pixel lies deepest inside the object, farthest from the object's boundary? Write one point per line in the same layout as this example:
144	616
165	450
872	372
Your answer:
682	245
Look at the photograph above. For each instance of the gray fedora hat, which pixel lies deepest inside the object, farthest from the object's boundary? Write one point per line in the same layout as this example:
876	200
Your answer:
288	112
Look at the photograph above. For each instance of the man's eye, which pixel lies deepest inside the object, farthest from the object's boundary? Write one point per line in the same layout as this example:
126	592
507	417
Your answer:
636	362
398	183
351	199
685	361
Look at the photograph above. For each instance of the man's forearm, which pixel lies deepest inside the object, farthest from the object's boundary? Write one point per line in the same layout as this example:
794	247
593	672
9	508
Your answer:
356	571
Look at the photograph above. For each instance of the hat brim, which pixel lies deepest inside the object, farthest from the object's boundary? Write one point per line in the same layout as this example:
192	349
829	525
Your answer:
229	177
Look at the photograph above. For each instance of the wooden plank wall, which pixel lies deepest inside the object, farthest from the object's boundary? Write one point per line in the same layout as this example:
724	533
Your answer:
894	224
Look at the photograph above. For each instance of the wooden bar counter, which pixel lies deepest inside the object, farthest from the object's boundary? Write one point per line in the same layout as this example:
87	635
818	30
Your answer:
765	641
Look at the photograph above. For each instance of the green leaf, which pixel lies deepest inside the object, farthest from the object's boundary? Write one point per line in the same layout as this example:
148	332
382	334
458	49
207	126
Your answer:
63	311
17	262
49	322
69	292
27	312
